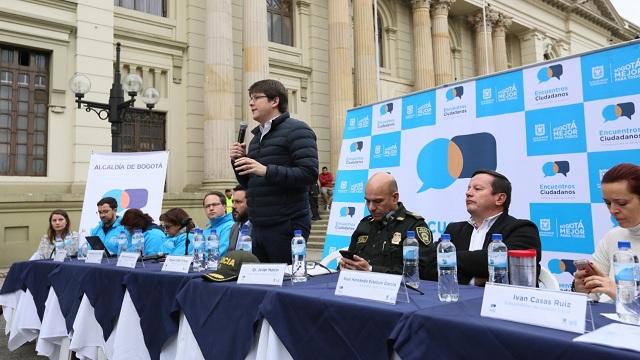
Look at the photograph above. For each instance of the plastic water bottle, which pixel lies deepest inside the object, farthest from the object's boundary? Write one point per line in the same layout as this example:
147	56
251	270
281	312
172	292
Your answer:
122	243
410	252
198	250
245	239
59	243
497	259
213	251
298	257
83	247
624	270
447	270
68	244
137	241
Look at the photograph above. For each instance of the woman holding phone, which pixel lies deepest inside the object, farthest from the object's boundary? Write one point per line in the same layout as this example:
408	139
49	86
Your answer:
621	193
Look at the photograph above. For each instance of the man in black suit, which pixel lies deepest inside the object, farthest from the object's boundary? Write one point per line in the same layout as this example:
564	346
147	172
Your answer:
488	197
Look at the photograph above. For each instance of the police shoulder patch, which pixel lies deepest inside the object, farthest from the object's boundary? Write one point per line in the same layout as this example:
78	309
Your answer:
424	235
362	239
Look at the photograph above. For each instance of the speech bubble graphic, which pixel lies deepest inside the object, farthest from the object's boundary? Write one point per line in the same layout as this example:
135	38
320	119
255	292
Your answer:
555	167
478	152
442	161
386	108
129	198
454	92
613	112
432	164
558	266
356	146
547	73
347	211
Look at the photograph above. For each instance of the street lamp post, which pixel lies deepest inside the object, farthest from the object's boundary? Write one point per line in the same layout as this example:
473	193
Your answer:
114	110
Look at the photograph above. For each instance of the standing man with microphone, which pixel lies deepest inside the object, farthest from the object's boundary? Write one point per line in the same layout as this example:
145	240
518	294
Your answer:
277	170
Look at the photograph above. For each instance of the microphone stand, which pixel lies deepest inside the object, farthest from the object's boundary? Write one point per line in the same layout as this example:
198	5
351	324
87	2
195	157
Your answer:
186	242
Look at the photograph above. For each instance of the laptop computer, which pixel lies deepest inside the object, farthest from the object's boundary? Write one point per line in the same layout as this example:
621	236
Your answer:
97	244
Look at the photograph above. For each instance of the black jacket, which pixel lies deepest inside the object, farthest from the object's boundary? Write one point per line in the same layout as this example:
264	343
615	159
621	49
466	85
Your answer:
290	153
380	242
517	234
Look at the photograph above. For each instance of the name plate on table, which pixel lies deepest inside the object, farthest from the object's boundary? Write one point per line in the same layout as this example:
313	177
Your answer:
177	263
559	310
94	256
128	259
60	255
368	285
262	274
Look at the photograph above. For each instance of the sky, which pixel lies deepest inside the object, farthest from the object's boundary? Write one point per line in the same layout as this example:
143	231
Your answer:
628	9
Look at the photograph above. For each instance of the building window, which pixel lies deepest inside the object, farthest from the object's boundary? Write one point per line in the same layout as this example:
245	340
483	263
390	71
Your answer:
24	100
143	130
279	18
153	7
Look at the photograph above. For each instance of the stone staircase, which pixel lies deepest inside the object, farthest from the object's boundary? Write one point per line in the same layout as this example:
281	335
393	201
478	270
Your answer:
318	231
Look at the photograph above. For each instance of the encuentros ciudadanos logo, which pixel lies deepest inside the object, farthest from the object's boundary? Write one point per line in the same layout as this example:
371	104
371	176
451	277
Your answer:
129	198
347	211
615	111
386	108
548	72
443	161
455	92
356	146
552	168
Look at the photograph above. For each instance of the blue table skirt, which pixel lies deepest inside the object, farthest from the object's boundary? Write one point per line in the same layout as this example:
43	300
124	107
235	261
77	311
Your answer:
153	293
309	319
457	331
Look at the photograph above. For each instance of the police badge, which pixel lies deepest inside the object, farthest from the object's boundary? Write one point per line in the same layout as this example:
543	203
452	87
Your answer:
397	238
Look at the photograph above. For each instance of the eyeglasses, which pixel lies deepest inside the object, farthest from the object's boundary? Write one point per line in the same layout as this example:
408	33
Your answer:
167	226
206	206
257	97
103	212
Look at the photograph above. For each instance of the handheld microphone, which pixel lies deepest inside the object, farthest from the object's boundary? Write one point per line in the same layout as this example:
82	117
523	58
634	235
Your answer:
241	132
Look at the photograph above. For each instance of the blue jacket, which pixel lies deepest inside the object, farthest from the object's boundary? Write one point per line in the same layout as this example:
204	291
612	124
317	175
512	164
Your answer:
290	153
223	230
174	245
154	238
110	239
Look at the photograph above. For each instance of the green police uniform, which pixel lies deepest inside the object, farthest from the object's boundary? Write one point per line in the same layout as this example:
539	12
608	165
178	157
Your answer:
380	242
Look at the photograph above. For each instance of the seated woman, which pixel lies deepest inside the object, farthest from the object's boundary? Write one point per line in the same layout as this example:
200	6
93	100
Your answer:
621	193
172	222
154	237
59	226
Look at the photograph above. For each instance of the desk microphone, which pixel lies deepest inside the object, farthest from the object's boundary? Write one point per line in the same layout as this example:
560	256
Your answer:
185	223
241	132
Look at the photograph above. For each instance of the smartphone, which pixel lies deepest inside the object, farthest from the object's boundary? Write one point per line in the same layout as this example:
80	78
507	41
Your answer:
347	254
584	264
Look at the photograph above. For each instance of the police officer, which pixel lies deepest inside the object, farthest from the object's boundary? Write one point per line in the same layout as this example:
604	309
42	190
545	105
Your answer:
377	241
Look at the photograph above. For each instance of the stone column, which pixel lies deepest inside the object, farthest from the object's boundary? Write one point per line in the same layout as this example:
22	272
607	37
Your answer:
365	52
219	119
255	51
422	48
441	42
499	44
340	73
532	46
484	45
